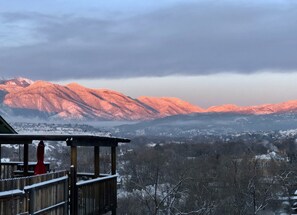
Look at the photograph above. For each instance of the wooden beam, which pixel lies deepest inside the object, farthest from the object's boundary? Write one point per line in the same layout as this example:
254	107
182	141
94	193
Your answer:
113	160
15	142
26	159
97	161
77	142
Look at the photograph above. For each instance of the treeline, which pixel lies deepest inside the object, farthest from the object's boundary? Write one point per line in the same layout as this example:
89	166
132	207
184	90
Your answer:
220	178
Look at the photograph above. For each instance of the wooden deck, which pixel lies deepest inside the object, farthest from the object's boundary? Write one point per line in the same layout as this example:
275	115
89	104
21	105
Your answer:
60	192
49	194
16	169
97	196
35	194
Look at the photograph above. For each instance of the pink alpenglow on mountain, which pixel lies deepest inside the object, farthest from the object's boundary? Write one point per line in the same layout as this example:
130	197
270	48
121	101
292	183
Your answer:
74	101
289	106
111	104
170	106
224	108
14	84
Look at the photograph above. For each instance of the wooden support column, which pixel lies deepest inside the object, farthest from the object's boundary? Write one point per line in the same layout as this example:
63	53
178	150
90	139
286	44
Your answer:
26	158
96	161
113	160
74	156
0	161
73	192
113	172
73	180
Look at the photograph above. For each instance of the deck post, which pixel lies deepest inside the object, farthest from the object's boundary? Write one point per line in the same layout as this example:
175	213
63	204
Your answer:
26	158
66	196
32	201
73	176
74	156
0	161
113	172
73	192
113	160
96	161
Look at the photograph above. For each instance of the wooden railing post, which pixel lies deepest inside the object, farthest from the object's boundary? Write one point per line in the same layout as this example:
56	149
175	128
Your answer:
74	156
96	161
73	192
26	159
113	160
31	201
0	161
113	172
66	196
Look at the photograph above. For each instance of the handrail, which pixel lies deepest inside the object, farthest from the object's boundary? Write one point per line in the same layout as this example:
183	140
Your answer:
11	163
45	183
42	211
82	183
10	193
32	176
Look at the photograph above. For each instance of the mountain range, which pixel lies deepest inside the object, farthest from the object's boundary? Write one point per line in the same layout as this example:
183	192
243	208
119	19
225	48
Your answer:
24	97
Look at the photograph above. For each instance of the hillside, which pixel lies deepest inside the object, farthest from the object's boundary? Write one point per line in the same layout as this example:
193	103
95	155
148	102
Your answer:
74	101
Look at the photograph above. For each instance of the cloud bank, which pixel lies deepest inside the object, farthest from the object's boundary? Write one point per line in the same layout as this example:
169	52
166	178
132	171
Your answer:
200	38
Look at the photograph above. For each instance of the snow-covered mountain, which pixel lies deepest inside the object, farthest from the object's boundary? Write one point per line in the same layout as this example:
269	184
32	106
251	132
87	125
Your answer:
289	106
24	97
74	101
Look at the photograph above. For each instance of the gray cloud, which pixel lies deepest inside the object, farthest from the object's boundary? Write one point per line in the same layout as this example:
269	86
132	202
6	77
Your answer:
189	39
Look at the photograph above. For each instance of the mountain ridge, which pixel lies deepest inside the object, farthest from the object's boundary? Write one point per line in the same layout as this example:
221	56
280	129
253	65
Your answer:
74	101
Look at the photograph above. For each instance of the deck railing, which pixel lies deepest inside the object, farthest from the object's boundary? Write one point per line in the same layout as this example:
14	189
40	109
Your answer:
7	169
35	194
49	197
21	182
16	169
97	196
48	194
13	202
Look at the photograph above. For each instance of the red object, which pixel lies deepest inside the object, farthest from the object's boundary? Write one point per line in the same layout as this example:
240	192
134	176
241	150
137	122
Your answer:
40	167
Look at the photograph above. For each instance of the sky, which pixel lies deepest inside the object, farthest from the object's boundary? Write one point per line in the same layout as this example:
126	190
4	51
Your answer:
204	51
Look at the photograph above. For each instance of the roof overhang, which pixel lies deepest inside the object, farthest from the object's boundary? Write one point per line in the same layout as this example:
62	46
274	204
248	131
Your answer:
71	140
5	128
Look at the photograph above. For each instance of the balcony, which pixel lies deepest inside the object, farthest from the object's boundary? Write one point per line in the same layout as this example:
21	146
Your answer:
62	192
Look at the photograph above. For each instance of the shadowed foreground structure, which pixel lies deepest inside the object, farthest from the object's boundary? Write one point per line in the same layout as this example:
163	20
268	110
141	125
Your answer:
60	192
